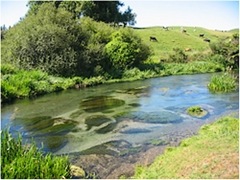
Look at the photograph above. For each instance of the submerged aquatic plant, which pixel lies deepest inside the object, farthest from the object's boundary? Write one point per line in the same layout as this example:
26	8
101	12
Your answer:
196	111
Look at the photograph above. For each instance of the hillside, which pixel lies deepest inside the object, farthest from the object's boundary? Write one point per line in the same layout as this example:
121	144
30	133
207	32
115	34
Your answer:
175	38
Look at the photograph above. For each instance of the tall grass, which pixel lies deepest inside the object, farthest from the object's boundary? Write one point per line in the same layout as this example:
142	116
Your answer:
223	83
21	162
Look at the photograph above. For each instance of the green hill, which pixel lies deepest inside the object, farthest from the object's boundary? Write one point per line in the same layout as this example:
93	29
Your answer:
175	38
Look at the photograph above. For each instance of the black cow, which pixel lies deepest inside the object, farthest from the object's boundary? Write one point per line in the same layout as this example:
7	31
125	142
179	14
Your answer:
201	35
207	40
165	28
153	39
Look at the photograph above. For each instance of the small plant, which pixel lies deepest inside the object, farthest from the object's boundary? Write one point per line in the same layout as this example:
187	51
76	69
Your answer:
196	111
24	162
224	83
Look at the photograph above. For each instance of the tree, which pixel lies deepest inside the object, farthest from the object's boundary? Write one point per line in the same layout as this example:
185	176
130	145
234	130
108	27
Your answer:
50	40
126	50
3	31
105	11
128	17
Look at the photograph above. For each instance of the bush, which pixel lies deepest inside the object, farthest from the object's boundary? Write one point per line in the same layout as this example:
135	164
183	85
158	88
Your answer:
8	69
49	40
126	50
21	162
223	83
229	50
178	57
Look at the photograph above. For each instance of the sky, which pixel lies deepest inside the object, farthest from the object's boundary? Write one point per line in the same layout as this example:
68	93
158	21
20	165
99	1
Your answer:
220	15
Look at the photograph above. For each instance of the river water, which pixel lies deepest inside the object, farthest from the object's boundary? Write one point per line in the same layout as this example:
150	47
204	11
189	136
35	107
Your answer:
112	127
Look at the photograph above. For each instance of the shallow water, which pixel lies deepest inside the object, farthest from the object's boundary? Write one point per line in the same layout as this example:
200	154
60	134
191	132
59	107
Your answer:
117	119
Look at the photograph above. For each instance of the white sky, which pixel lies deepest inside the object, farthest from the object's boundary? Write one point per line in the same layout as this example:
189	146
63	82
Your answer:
221	15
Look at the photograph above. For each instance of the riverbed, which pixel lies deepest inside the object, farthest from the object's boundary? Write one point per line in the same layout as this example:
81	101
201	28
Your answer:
108	129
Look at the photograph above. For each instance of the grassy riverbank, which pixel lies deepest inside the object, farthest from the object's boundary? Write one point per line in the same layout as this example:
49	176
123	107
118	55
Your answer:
17	83
213	153
24	162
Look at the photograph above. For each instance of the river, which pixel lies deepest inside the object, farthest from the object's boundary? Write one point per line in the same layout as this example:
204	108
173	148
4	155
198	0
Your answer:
110	128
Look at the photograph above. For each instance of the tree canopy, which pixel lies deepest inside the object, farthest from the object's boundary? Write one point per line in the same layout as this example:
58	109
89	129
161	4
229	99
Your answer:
105	11
54	39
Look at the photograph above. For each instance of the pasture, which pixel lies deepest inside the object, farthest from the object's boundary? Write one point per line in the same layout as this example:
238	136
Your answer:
174	37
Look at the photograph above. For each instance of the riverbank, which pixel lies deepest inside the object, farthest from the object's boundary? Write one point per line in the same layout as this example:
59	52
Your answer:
18	84
212	153
24	113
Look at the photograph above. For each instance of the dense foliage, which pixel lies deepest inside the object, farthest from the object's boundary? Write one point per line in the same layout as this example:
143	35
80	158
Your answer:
178	56
48	41
19	83
53	41
26	162
105	11
126	50
226	51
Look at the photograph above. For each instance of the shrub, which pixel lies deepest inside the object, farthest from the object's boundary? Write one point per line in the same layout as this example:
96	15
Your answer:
223	83
49	40
178	57
21	162
126	50
8	69
229	50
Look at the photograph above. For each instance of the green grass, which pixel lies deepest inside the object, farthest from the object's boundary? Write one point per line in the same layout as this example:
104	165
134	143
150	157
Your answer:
222	84
26	162
16	83
213	153
174	38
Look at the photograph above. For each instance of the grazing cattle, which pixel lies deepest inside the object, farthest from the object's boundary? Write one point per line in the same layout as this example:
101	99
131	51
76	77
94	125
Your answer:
184	31
165	28
153	38
207	40
187	49
201	35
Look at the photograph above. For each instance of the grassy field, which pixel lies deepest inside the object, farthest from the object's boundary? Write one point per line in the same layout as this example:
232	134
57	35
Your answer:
213	153
174	38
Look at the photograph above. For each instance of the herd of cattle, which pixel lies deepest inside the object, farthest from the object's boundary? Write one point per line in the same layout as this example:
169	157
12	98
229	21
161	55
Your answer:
154	39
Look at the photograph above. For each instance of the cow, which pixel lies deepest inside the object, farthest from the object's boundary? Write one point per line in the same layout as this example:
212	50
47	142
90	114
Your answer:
207	40
153	39
201	35
184	31
165	28
187	49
